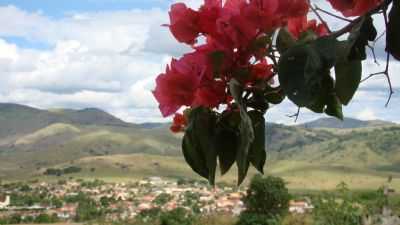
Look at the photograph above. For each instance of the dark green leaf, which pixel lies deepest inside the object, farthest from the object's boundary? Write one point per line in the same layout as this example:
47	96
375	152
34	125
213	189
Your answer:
260	42
193	156
307	36
245	130
284	41
198	143
246	139
326	48
217	60
227	141
257	153
334	107
258	101
393	31
274	95
300	74
236	91
320	103
359	37
242	73
348	77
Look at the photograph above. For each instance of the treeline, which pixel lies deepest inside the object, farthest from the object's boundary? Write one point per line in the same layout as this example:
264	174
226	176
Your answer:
40	219
60	172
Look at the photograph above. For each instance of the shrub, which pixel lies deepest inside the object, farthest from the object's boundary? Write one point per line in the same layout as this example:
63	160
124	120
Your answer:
149	215
337	210
178	216
267	196
162	199
257	219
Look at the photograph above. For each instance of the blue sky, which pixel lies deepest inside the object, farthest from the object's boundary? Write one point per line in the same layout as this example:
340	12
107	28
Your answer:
107	54
57	9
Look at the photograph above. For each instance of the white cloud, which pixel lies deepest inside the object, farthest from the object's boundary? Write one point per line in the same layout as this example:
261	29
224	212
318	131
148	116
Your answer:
105	59
110	60
366	114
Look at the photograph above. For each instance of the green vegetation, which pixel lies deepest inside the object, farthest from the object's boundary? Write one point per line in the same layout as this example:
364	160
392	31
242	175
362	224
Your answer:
363	155
60	172
329	211
40	219
267	196
88	210
162	199
267	201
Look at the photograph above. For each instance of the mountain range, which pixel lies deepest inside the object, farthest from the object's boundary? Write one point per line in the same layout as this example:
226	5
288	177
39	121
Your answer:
363	153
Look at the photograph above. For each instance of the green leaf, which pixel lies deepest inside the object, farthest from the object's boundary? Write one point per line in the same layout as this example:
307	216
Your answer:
258	101
320	103
193	156
236	91
326	48
257	153
284	41
197	146
245	129
393	31
217	60
359	37
307	36
348	77
299	71
260	42
227	140
246	139
334	107
274	95
242	73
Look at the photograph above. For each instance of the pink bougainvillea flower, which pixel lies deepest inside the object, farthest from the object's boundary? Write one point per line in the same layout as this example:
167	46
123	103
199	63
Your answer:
210	94
261	71
235	30
354	7
292	8
298	25
179	123
184	23
263	13
208	15
177	86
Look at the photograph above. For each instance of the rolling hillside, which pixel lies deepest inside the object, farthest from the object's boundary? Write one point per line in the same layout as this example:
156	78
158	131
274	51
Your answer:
314	155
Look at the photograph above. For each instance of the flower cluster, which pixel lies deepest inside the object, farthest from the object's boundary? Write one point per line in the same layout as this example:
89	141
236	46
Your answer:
354	7
240	49
228	40
232	40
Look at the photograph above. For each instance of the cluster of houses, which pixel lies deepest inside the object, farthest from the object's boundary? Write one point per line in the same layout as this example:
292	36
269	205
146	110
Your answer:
130	199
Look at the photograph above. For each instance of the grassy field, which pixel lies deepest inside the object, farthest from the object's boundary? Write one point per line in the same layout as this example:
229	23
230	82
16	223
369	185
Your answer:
298	175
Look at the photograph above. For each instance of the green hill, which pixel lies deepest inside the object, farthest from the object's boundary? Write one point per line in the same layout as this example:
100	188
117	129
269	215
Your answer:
315	155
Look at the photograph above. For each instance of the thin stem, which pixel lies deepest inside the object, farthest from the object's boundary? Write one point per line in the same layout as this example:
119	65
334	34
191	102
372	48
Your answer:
317	8
386	71
383	7
320	17
296	115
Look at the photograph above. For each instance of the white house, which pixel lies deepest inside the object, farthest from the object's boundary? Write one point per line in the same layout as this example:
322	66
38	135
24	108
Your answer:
300	207
4	202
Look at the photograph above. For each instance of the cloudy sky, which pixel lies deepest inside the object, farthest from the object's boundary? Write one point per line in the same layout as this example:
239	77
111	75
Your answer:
107	53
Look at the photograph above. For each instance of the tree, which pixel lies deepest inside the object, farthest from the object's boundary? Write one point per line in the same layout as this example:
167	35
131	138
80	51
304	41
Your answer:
87	210
178	216
45	218
248	218
162	199
226	83
267	196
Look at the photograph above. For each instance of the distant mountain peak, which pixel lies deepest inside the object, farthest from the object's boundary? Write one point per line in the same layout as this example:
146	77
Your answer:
347	123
